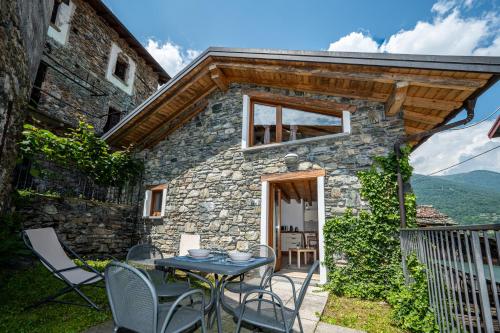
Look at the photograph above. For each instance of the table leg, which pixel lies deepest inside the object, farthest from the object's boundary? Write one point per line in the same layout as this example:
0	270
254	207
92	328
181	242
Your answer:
305	258
289	257
216	313
298	259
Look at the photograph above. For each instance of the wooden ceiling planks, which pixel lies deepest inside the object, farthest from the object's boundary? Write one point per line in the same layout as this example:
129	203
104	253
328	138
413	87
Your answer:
425	97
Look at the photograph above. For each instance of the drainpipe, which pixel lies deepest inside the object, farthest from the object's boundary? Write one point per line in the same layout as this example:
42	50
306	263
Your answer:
469	106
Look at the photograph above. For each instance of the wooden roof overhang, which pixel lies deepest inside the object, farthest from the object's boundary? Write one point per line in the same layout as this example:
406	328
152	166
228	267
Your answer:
428	90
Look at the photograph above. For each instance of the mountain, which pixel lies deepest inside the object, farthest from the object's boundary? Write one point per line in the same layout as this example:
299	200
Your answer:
468	198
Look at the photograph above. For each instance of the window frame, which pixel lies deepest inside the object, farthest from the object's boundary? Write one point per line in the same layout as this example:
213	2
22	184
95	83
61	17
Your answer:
279	119
154	202
151	200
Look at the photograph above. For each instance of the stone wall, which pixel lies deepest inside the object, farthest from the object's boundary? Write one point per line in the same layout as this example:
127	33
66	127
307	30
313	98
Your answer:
88	227
84	59
214	187
20	46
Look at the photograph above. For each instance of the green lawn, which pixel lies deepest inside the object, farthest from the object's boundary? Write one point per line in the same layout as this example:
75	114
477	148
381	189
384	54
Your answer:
22	288
370	316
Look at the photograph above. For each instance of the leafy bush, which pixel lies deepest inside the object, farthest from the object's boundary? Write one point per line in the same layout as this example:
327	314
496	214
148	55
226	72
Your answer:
370	243
410	302
82	149
370	240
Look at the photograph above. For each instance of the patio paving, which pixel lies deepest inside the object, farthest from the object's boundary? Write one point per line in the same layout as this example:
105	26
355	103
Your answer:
313	305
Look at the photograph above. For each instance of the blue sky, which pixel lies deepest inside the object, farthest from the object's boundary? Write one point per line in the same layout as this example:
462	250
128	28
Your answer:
175	32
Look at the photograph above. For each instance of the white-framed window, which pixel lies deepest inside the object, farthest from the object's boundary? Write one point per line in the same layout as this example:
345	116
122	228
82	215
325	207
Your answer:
121	69
60	19
155	200
266	123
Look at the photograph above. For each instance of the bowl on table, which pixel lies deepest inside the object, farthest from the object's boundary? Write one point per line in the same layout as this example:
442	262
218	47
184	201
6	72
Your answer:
198	253
239	256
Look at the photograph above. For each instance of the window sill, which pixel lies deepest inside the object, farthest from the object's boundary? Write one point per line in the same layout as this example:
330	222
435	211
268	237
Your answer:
296	142
120	79
153	217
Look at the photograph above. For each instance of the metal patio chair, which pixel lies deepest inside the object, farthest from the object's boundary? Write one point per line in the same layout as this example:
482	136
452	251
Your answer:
267	310
49	249
160	279
256	278
134	303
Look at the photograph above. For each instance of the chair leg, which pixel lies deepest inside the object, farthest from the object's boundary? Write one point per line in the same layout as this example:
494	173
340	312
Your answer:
203	325
300	323
238	326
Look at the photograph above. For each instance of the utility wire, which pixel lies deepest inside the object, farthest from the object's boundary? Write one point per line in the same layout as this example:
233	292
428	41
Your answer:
462	162
478	122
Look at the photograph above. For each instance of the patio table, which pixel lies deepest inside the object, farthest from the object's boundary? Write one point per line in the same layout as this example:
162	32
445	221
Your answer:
222	270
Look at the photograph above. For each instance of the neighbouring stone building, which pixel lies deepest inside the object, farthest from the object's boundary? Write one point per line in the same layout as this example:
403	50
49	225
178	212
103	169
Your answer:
21	44
249	146
428	216
92	68
88	227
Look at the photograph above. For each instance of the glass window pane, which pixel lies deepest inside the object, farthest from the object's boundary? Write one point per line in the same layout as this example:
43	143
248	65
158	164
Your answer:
157	200
301	124
264	121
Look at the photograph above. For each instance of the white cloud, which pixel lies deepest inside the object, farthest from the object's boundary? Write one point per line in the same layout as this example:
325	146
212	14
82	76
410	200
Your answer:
355	41
450	34
447	148
170	56
492	50
443	6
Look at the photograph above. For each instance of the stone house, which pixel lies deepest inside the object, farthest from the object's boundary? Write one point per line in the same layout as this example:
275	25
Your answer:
92	67
250	146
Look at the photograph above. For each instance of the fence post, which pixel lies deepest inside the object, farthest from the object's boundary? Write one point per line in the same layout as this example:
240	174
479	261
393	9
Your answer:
483	289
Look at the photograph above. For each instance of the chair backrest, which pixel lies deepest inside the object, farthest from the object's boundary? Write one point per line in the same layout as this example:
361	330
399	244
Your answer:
188	242
305	285
45	243
144	251
132	298
266	271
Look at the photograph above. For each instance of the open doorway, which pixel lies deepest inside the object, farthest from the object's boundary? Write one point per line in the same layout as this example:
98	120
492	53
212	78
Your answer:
293	221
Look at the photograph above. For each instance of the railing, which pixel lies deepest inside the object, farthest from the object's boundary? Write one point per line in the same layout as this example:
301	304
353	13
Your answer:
463	274
68	182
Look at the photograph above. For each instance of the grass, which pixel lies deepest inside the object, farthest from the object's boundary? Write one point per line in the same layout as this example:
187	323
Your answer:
22	288
370	316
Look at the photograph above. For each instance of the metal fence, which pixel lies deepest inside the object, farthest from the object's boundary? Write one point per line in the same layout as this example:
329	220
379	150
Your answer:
463	274
68	182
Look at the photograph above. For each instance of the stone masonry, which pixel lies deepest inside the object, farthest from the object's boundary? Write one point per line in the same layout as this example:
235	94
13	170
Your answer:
20	45
214	187
84	59
88	227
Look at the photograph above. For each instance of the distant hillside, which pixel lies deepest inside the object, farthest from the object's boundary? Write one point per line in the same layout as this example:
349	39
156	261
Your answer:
468	198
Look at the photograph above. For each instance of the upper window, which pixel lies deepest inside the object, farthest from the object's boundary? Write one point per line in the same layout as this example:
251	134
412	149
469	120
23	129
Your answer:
113	119
121	69
55	11
275	123
60	19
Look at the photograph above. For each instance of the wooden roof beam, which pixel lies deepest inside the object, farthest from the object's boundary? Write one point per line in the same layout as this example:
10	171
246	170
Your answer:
218	77
421	117
308	193
397	98
429	103
434	81
284	194
413	130
294	189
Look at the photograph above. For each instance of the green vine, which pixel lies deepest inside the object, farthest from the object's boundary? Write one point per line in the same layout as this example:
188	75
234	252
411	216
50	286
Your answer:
369	241
80	148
